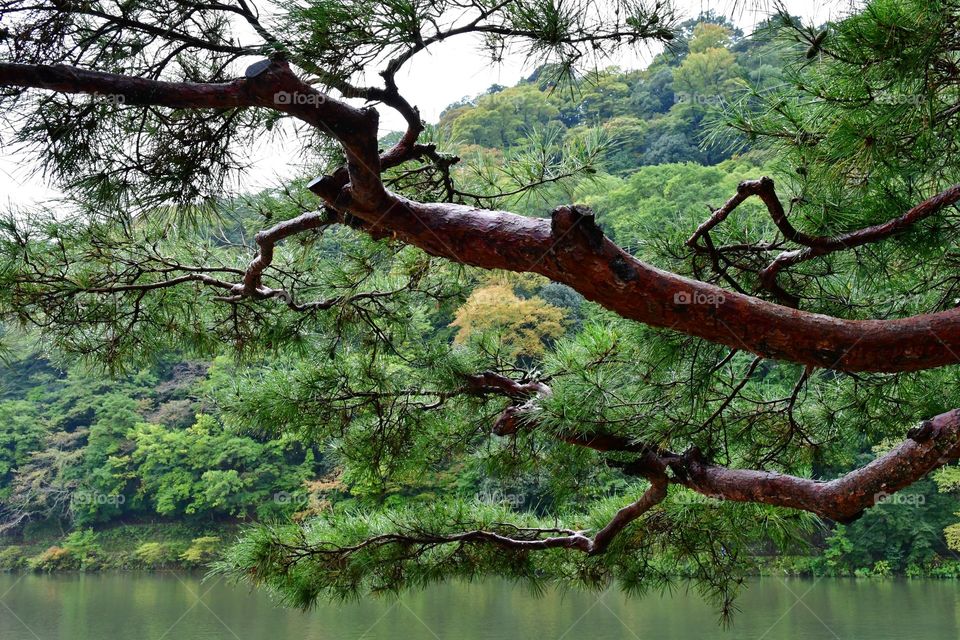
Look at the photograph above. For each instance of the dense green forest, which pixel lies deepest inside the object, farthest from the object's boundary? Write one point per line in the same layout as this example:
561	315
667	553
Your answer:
154	465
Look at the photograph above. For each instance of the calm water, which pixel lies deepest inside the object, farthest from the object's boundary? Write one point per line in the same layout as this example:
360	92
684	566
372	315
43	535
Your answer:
174	607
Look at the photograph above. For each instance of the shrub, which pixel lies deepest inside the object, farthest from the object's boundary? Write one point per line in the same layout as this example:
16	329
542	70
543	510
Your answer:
84	546
11	559
118	559
201	551
54	559
946	569
155	555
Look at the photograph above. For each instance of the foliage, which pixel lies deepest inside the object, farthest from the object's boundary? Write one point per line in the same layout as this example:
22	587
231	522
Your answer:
523	327
645	556
204	470
952	535
95	460
12	559
650	117
656	207
201	551
22	433
84	545
155	555
54	559
860	130
504	117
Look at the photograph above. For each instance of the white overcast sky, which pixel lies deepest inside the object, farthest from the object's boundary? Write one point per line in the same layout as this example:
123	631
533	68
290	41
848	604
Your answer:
432	80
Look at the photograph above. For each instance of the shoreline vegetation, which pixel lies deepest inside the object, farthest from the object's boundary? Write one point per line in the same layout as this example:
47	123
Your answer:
127	547
182	547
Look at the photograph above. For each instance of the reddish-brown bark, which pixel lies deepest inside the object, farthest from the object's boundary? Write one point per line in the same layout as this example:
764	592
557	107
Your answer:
934	444
571	249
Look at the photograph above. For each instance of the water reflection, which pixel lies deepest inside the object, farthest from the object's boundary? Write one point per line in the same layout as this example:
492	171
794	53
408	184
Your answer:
131	606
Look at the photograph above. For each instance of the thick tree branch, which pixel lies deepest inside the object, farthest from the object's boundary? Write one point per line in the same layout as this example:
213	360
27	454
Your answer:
653	496
490	381
570	248
135	91
270	85
266	240
935	443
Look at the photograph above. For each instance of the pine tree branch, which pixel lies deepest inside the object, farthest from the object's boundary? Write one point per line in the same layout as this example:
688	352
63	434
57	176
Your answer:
270	85
815	246
935	443
534	540
572	250
569	248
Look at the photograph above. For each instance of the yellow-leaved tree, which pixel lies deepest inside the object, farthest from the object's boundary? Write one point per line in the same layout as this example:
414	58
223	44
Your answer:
948	481
523	325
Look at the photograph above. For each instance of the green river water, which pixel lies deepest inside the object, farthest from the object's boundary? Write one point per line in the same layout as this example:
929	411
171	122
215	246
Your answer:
134	606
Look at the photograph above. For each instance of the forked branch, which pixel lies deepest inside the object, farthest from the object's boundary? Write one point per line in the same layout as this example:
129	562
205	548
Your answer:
933	444
814	246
